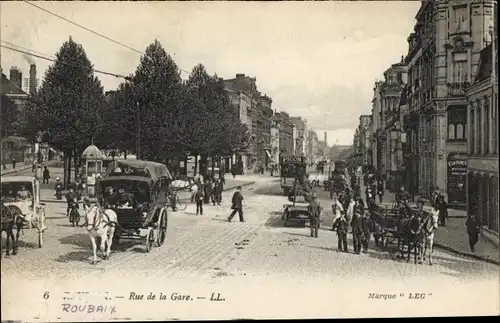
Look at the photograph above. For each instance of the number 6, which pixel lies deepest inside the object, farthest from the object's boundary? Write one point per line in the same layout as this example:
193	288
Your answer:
46	295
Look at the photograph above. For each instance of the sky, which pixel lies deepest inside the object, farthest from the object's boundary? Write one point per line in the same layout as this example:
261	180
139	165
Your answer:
318	60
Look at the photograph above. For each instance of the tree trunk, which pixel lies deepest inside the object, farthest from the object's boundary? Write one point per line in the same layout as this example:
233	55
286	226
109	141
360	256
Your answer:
195	164
70	156
203	165
75	162
65	170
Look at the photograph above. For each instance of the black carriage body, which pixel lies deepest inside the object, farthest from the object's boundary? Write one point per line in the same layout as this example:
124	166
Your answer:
148	183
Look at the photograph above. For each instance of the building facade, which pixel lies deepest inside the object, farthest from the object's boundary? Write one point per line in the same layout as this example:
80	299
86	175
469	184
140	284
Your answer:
312	146
242	103
391	92
275	140
301	136
443	56
377	134
264	157
286	134
482	146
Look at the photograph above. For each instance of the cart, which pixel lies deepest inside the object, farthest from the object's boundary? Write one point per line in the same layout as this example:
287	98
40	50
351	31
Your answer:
28	202
147	182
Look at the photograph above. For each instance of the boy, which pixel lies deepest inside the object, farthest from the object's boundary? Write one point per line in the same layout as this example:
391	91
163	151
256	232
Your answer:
199	197
340	224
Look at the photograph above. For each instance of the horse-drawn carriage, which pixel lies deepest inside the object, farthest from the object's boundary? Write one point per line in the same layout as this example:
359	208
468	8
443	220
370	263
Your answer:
146	183
21	207
412	229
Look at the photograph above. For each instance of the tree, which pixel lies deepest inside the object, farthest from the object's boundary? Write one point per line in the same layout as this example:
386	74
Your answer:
119	120
157	86
68	102
9	119
224	133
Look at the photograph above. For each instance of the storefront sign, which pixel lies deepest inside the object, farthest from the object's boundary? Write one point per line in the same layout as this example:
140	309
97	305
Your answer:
457	178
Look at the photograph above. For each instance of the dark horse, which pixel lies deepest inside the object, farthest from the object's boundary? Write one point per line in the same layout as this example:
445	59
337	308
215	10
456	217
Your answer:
11	216
410	235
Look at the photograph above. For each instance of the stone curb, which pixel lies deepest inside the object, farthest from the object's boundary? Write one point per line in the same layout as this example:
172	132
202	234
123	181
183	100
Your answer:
465	254
93	200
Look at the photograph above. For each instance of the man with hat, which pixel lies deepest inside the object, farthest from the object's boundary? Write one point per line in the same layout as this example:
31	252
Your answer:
314	210
357	224
124	198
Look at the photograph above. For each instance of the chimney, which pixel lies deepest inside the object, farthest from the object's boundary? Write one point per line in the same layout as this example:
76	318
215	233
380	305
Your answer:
16	76
325	137
32	79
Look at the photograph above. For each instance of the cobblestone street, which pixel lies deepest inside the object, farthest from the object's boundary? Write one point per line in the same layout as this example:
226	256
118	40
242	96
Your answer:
209	245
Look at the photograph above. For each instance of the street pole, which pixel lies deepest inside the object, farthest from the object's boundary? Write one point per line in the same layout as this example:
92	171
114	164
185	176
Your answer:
138	137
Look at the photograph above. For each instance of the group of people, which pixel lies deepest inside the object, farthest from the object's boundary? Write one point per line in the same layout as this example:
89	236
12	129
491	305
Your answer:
208	190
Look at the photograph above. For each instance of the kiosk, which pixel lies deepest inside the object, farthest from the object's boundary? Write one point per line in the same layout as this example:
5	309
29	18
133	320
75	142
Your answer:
92	159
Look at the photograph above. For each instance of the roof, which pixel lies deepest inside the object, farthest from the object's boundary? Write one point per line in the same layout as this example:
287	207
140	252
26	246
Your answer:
140	168
485	64
125	178
9	87
6	179
92	151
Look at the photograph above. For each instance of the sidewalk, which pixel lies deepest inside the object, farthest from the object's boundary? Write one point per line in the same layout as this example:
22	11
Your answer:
453	237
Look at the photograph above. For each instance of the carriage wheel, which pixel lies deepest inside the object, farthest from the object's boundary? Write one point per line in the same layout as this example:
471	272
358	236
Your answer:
149	241
162	229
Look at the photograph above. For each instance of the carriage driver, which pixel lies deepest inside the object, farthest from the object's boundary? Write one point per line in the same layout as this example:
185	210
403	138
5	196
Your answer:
124	199
402	197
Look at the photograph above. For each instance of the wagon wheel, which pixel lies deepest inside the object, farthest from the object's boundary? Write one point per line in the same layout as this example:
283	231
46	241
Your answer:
149	241
162	229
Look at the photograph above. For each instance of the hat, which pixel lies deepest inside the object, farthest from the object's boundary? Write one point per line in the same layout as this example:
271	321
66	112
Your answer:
121	190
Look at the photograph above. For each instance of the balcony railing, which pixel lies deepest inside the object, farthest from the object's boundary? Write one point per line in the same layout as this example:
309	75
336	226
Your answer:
457	88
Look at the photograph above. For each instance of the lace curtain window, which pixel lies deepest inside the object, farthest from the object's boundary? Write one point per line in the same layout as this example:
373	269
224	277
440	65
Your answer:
459	68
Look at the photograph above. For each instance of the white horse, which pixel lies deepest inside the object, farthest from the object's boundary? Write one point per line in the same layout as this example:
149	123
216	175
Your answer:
429	227
101	224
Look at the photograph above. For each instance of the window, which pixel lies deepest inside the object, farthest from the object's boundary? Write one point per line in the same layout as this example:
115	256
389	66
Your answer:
451	131
479	126
460	19
486	127
457	123
459	74
472	129
460	133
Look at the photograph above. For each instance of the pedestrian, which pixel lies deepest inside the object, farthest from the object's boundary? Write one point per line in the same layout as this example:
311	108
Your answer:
350	209
380	189
357	225
198	197
365	230
314	210
341	226
233	170
442	206
473	226
217	192
70	200
237	205
207	192
46	175
13	162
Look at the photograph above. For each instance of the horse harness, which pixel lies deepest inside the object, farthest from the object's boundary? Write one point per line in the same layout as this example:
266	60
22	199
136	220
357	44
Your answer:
98	219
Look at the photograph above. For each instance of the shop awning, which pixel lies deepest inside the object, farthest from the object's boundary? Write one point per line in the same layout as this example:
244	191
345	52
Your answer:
268	153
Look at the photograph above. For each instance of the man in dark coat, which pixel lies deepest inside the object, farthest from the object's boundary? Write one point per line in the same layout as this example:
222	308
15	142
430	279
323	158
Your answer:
314	210
340	224
217	192
442	206
357	225
402	197
46	176
473	226
237	205
70	200
207	191
124	198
